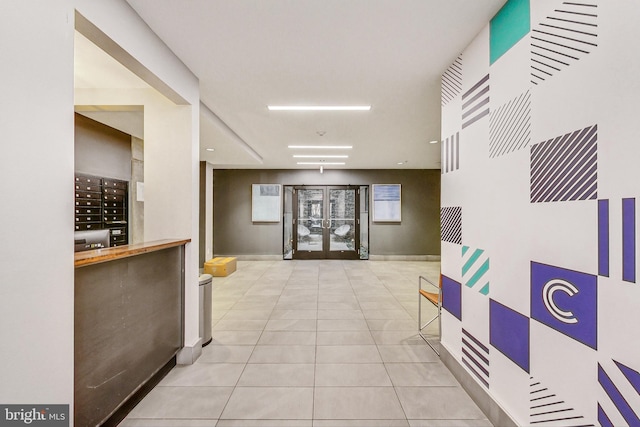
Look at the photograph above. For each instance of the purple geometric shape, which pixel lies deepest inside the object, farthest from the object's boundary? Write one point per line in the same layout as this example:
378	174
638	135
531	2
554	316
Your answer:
629	240
566	167
603	418
509	333
631	375
452	296
567	301
617	398
603	238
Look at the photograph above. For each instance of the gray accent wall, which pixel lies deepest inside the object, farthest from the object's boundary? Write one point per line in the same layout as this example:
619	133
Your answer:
101	150
418	233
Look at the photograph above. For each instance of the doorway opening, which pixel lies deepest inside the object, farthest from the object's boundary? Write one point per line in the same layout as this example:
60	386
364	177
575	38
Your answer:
326	222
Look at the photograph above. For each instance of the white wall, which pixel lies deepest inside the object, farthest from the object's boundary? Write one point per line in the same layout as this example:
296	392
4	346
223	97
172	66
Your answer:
208	226
36	183
530	242
171	144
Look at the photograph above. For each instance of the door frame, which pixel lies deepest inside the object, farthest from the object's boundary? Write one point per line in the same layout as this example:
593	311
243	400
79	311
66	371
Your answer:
326	252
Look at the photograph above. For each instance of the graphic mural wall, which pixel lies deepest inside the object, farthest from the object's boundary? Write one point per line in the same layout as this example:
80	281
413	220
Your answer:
540	176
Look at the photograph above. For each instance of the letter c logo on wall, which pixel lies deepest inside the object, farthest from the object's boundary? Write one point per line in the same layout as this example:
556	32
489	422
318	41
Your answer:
565	300
549	289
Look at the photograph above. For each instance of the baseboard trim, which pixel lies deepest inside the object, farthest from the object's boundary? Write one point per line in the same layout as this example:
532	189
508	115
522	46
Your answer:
127	406
371	257
255	257
188	355
404	257
492	409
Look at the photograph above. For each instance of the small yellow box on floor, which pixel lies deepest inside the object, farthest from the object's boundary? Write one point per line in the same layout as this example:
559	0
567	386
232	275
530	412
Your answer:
220	266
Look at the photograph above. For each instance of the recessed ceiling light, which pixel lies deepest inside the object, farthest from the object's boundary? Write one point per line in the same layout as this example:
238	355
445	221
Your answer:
320	147
321	163
211	149
313	156
433	142
319	107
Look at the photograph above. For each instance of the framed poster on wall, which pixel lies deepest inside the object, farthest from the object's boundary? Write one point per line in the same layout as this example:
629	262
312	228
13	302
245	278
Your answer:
387	202
266	202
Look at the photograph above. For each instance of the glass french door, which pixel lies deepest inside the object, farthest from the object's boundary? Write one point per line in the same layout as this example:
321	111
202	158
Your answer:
325	223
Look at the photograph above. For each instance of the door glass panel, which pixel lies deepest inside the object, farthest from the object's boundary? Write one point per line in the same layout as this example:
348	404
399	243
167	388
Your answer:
342	219
310	219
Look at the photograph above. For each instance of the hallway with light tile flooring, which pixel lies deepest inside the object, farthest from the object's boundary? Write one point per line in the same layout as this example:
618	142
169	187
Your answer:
313	343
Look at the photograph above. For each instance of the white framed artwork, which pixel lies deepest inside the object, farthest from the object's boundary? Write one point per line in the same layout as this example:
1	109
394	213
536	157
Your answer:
266	202
387	202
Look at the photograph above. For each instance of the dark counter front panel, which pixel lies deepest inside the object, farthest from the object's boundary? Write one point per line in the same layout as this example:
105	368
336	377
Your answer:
128	325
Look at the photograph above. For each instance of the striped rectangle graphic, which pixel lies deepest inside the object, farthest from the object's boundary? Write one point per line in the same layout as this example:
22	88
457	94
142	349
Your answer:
475	356
451	82
629	240
475	102
627	225
451	224
566	167
450	154
475	266
546	408
626	405
569	33
603	238
510	126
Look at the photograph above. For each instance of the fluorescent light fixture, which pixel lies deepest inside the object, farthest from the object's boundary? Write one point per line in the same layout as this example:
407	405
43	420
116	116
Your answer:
320	156
433	142
321	163
211	149
319	107
320	147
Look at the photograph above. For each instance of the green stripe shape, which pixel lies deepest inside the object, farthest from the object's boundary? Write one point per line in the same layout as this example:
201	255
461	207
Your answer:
471	261
485	289
464	250
483	269
510	24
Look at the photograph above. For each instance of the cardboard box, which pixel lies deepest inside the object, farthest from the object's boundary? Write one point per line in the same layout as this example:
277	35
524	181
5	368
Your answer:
220	266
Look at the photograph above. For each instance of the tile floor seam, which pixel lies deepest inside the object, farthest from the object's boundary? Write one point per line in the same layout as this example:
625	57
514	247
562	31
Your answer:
247	362
315	362
330	286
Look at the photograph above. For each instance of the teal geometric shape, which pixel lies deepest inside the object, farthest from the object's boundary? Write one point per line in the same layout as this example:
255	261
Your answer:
475	266
510	24
485	290
471	260
478	274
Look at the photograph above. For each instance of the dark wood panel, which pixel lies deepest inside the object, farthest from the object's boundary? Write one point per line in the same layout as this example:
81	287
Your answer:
128	325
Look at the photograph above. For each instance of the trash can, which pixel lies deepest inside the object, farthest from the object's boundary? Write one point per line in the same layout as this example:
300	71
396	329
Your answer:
205	308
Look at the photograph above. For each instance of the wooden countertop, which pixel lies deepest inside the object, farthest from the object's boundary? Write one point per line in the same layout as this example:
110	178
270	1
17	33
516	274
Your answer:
96	256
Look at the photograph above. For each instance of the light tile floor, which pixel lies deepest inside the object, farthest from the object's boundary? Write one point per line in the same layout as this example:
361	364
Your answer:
316	344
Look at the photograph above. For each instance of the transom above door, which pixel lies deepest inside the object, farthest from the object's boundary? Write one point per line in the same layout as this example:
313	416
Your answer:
326	223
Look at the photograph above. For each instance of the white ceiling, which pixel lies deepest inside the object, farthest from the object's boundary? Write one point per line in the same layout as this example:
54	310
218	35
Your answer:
389	54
